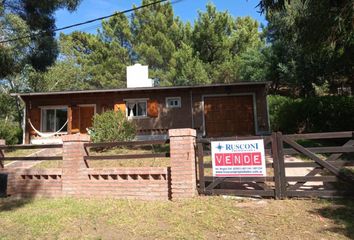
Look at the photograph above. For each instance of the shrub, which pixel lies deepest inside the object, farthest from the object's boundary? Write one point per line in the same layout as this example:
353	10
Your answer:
276	105
317	114
112	126
10	131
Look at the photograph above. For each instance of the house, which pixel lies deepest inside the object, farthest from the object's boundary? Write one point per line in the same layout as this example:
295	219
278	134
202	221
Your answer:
217	110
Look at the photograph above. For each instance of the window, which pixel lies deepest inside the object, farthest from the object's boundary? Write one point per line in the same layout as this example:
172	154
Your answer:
173	102
53	119
136	108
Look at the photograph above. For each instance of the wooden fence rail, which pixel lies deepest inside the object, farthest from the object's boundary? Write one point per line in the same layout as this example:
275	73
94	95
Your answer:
164	154
3	156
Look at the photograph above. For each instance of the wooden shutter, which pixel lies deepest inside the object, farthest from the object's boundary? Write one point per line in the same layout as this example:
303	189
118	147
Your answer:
35	117
120	106
75	119
153	108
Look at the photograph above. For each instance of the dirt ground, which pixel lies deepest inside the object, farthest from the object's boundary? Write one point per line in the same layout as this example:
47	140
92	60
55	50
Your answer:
198	218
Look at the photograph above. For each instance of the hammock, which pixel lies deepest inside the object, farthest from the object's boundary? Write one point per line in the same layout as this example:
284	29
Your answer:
46	135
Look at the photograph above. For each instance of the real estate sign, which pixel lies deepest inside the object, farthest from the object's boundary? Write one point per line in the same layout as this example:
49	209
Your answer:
244	158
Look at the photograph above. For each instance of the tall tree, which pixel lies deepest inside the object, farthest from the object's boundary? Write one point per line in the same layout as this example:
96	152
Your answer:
246	35
219	39
313	41
101	61
153	36
211	35
25	17
100	58
18	20
186	68
156	36
303	55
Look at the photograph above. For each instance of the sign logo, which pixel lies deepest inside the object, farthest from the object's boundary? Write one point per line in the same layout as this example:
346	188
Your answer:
238	158
219	147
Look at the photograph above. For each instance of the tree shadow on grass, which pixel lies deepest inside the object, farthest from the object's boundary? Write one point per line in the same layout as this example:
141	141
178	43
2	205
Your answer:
15	196
9	204
341	211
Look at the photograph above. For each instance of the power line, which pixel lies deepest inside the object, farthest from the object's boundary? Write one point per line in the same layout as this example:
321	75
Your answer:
83	23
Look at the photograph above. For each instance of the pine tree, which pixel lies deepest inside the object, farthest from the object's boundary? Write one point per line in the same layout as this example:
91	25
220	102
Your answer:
156	36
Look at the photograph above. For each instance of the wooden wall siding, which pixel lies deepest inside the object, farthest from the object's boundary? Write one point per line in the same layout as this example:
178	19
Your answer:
86	115
74	119
167	117
70	118
35	116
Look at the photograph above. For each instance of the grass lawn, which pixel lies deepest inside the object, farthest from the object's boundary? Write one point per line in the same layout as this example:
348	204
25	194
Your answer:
198	218
19	153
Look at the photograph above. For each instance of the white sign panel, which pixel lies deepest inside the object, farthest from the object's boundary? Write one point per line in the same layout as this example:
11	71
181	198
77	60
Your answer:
244	158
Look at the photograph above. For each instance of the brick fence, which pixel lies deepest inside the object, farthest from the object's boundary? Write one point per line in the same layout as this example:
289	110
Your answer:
76	179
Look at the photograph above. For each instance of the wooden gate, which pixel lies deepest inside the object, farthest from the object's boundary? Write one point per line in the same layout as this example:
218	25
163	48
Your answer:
294	167
327	160
241	186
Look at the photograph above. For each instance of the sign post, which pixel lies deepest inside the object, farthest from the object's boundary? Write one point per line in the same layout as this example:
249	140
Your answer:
243	158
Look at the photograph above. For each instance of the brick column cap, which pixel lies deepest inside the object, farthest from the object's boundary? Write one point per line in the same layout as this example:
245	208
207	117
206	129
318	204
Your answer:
76	138
182	132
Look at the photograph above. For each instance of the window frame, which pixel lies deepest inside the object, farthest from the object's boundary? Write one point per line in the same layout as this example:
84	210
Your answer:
173	98
55	122
136	101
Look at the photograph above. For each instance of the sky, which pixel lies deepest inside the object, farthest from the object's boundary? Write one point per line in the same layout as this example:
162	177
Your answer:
187	10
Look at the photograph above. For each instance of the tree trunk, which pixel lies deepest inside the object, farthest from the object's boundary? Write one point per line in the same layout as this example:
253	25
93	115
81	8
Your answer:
18	104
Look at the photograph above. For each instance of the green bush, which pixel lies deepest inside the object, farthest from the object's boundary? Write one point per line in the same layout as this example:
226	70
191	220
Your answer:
276	105
112	126
11	132
317	114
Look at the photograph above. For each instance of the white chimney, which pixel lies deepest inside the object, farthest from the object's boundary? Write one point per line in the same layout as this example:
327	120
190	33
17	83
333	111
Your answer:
138	76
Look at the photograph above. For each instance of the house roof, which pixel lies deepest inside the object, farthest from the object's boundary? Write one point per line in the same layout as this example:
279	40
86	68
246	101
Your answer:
136	89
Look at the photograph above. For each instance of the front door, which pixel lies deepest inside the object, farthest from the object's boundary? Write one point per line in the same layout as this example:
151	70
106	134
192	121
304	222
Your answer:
86	115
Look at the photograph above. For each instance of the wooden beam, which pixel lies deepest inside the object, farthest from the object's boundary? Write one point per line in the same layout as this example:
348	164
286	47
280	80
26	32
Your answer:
125	143
216	182
201	167
337	149
242	179
311	155
316	193
70	118
249	193
329	135
30	146
33	158
128	156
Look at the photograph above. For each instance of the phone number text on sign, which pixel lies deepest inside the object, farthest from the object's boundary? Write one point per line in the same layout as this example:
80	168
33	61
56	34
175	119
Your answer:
238	158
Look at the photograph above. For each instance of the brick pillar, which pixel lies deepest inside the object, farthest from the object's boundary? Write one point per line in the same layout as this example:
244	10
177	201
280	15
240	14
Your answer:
182	150
74	166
